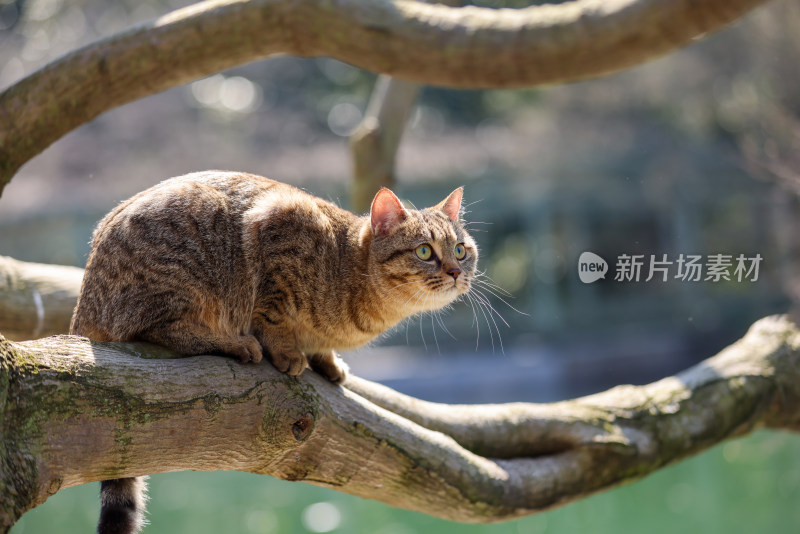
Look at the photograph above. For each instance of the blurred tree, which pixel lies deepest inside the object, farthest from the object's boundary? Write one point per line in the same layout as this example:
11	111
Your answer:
374	143
461	47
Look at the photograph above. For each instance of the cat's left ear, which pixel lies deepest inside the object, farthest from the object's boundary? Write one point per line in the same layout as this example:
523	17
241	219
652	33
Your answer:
451	206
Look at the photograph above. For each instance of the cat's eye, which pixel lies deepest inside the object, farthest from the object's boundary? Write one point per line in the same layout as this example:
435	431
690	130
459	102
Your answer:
424	252
461	251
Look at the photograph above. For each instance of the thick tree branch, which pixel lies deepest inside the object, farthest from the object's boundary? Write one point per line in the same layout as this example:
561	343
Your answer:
463	47
36	300
73	411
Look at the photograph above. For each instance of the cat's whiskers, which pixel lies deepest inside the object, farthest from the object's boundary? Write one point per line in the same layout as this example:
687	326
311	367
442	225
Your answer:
475	321
422	335
494	289
438	313
385	293
428	300
488	311
420	290
482	296
464	210
469	226
485	278
432	294
491	313
480	308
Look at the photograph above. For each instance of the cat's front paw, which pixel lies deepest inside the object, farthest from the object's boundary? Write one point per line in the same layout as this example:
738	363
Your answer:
291	362
331	366
246	349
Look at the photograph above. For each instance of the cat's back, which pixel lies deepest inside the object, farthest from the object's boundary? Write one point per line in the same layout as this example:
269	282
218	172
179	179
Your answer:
236	189
180	240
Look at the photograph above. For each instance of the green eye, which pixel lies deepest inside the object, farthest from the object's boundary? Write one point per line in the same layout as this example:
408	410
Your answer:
461	251
424	252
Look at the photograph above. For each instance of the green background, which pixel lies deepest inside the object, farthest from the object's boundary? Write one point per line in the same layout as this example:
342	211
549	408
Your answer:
748	485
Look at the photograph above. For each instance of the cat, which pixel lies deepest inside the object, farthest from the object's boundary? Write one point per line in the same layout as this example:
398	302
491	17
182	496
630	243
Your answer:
243	266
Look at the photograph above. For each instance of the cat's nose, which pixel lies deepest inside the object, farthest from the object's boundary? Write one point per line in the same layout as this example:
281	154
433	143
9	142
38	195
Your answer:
453	271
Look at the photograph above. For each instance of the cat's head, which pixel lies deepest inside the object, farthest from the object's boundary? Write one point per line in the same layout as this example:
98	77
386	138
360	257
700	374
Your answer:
422	259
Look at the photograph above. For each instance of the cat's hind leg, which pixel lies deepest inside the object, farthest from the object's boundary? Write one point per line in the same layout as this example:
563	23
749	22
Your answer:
190	338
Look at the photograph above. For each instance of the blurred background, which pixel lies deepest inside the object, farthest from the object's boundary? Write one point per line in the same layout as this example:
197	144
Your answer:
695	153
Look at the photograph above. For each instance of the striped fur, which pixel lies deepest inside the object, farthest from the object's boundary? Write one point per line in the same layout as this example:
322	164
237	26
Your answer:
122	504
239	265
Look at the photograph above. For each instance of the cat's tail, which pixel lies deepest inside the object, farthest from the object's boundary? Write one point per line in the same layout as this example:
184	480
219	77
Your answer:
122	505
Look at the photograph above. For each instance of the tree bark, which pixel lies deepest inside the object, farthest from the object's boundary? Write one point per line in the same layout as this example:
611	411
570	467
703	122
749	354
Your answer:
36	300
433	44
74	411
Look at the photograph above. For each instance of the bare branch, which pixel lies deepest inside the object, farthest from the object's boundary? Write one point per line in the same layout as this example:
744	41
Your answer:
374	143
518	429
461	47
36	300
74	411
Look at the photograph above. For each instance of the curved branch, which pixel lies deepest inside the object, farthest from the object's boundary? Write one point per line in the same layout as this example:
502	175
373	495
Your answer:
462	47
724	396
74	411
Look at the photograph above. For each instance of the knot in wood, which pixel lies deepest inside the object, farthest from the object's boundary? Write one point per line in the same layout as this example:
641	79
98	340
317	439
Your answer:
302	427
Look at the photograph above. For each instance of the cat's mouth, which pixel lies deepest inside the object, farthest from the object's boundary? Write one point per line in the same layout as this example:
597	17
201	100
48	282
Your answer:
433	294
452	289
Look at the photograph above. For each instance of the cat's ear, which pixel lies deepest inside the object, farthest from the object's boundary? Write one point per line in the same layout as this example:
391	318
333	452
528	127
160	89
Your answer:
386	212
451	206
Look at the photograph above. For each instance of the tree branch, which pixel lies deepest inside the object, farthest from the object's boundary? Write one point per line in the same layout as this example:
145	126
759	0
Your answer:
373	145
74	411
462	47
36	300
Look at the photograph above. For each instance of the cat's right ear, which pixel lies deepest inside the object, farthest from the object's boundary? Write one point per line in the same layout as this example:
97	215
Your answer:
386	212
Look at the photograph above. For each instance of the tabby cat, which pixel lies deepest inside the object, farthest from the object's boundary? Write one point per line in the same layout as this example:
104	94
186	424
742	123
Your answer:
239	265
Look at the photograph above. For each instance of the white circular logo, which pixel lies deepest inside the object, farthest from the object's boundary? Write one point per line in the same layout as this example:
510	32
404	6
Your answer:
591	267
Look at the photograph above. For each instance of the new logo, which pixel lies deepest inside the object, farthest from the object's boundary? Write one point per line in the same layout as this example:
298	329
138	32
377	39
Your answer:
591	267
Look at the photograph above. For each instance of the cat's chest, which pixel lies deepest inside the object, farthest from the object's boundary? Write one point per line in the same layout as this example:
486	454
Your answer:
343	334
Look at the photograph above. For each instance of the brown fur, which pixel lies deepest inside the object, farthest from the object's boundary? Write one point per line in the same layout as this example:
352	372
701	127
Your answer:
239	265
236	264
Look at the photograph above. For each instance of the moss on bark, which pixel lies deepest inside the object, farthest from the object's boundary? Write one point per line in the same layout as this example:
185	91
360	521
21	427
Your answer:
74	411
18	471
